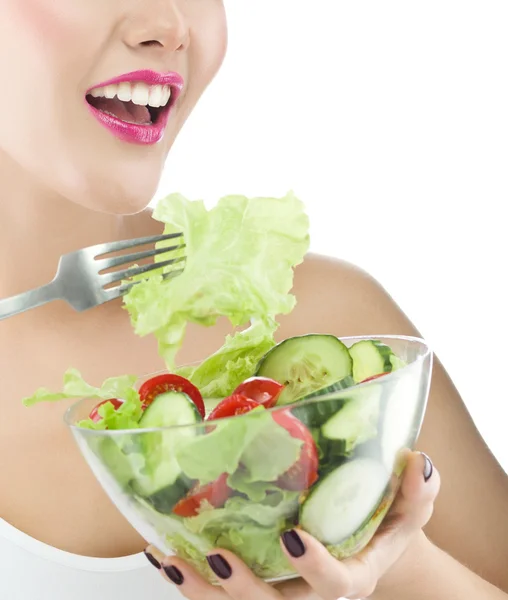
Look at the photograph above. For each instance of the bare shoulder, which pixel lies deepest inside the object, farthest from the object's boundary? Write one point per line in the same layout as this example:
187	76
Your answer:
335	296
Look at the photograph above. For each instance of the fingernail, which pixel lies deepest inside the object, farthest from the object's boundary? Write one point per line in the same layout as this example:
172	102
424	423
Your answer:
174	574
220	566
152	560
293	543
428	469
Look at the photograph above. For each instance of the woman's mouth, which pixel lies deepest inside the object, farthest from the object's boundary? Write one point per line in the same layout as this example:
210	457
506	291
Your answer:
136	107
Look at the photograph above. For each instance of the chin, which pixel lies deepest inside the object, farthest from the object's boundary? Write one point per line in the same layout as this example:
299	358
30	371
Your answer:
118	192
118	205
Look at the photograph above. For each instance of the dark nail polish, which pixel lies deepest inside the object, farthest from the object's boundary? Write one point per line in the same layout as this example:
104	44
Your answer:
220	566
174	574
153	560
293	543
428	468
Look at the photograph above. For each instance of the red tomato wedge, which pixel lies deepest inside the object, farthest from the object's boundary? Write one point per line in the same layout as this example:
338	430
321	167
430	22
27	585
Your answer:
215	493
170	383
261	389
374	377
232	406
304	473
94	414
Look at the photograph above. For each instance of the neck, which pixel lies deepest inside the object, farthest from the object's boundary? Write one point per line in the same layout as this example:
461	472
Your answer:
38	226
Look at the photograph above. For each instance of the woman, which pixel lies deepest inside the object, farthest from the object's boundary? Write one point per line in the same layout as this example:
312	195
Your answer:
72	176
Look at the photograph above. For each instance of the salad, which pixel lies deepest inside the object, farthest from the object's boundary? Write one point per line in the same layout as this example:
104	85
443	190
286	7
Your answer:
260	436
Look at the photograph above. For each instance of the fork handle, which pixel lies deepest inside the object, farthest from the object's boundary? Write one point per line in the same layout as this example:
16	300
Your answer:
28	300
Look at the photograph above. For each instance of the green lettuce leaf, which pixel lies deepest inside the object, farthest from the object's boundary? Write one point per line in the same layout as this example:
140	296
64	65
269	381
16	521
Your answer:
250	530
239	265
264	448
236	361
75	387
280	505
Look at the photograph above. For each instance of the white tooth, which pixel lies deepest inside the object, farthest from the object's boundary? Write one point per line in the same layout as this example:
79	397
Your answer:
140	94
166	95
155	98
97	92
110	91
124	92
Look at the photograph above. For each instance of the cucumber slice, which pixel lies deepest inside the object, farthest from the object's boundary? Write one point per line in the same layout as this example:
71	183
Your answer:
169	410
358	421
370	357
343	502
165	499
305	364
314	414
338	386
161	478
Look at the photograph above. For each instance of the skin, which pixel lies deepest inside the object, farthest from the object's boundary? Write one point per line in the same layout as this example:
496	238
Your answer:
67	183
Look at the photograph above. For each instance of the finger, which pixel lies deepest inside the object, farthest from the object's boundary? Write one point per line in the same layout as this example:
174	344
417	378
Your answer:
328	577
239	581
297	589
414	504
188	581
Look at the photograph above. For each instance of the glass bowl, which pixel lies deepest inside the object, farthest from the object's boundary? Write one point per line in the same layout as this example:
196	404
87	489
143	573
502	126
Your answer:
239	461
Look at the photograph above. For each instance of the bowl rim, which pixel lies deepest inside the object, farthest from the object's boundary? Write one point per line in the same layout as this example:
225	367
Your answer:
139	431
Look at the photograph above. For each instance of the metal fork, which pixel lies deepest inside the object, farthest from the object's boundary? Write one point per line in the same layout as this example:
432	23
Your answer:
79	280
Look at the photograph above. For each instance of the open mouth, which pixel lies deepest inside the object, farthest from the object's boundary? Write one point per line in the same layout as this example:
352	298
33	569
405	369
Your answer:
136	103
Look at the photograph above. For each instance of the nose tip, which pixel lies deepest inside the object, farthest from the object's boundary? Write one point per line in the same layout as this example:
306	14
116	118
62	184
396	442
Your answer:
157	26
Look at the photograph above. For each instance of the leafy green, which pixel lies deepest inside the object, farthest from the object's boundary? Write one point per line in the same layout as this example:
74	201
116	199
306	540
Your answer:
252	440
236	361
251	530
239	260
122	388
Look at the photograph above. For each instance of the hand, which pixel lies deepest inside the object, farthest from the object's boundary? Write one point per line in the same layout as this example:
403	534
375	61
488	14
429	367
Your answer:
323	577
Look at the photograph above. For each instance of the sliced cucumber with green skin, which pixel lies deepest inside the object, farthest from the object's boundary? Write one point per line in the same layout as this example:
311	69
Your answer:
314	414
342	503
161	475
169	410
338	386
333	453
305	364
165	499
358	421
370	357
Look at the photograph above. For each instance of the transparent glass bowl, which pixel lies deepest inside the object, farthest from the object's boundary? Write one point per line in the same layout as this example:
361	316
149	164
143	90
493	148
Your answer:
385	417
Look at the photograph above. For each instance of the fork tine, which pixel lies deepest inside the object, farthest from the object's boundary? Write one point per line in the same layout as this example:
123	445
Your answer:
108	263
100	249
123	289
133	271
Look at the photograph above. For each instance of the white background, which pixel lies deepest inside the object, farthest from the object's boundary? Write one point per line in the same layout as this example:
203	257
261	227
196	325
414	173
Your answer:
390	121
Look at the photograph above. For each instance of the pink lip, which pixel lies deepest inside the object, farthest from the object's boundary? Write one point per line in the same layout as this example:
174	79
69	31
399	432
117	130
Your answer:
130	132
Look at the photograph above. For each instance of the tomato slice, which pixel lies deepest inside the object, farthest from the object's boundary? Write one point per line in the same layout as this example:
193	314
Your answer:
94	414
261	389
232	406
374	377
304	473
215	493
170	383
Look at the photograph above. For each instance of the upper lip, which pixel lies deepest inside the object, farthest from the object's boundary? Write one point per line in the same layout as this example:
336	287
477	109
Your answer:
171	78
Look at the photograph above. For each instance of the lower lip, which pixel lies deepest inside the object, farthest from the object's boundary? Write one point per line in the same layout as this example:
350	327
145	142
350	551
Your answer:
131	132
